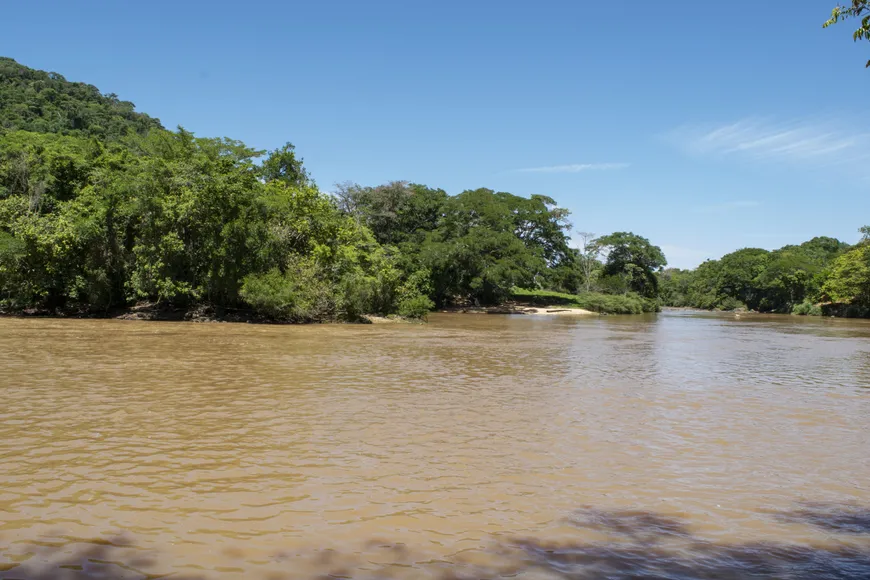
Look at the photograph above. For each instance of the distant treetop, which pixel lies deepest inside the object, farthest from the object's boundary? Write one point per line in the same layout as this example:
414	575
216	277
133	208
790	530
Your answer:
45	102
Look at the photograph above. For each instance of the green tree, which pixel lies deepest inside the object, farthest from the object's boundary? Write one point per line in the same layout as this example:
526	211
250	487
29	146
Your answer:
785	281
767	281
588	257
487	242
475	246
396	212
737	274
855	9
705	287
283	165
675	286
633	260
482	266
849	279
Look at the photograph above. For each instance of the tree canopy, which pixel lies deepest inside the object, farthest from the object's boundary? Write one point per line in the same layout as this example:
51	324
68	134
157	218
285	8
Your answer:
178	219
476	245
779	281
633	261
848	281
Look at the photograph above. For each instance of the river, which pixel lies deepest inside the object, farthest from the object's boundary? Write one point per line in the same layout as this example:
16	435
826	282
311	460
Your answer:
678	445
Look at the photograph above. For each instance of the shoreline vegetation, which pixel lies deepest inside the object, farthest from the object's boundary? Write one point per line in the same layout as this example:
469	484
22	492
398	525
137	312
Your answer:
208	314
105	213
820	277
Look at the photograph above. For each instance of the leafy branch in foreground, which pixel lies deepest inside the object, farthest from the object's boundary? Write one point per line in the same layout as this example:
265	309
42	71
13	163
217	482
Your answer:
857	9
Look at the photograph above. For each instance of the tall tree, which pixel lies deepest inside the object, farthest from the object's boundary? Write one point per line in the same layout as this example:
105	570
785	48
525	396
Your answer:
283	165
589	251
396	212
849	281
634	259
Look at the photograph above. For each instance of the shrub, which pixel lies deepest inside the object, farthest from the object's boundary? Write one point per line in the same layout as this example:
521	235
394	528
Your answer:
299	294
416	307
357	295
729	303
414	301
616	304
807	308
630	303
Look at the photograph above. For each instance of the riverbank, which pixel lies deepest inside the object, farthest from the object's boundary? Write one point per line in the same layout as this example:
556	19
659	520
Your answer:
522	308
590	301
144	311
167	313
210	314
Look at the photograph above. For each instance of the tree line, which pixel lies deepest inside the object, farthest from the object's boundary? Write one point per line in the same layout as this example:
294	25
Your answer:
820	276
101	207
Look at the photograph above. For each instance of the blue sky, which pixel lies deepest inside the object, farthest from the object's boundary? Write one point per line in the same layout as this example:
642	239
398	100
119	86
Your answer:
705	126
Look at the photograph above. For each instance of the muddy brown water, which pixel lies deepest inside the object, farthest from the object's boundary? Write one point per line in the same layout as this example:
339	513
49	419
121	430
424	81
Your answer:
678	445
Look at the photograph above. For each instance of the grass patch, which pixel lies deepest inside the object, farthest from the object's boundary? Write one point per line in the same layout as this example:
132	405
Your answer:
596	302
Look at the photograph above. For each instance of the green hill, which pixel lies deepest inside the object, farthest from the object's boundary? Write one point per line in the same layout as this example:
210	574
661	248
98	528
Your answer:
45	102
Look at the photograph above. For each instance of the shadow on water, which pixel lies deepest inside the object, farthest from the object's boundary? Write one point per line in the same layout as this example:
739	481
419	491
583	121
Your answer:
640	526
638	544
838	518
648	545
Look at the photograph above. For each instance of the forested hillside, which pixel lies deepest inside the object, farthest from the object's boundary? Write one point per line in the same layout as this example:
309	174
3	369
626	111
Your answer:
43	102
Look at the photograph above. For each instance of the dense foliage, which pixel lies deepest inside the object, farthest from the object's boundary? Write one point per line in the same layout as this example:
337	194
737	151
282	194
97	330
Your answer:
101	208
476	245
43	102
822	275
632	262
481	244
177	219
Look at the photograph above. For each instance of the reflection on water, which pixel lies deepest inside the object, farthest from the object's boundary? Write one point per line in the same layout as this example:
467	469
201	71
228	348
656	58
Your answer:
705	446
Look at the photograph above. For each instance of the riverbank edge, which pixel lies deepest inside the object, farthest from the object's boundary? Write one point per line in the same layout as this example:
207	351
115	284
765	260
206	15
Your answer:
211	314
826	310
519	308
201	313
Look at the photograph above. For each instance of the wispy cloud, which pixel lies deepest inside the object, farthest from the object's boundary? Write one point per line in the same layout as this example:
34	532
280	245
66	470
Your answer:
574	168
811	143
725	207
